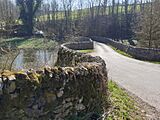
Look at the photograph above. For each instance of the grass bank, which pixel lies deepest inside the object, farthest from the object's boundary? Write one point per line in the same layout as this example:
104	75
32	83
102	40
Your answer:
86	51
121	52
127	55
122	106
38	44
29	43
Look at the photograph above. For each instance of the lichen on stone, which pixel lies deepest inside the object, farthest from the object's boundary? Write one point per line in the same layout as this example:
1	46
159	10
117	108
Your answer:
75	88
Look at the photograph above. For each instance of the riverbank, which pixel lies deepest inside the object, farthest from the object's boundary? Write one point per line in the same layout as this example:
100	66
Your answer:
26	53
28	43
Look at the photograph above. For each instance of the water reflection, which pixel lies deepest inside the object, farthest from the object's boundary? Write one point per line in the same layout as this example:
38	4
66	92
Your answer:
27	59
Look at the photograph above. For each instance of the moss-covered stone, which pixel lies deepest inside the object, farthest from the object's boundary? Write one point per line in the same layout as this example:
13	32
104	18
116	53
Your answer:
75	89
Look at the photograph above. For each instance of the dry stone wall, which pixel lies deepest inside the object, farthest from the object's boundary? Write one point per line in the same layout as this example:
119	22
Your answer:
139	53
76	89
80	45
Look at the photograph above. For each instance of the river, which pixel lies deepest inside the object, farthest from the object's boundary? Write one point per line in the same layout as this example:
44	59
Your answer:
28	59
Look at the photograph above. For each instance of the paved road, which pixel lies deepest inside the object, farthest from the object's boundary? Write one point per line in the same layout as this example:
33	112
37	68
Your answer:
140	78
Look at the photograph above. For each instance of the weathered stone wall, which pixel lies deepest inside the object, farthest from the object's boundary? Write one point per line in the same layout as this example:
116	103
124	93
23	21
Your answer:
81	45
74	90
139	53
68	57
79	39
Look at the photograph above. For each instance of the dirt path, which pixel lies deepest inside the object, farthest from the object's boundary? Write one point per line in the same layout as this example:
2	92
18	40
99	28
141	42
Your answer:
138	77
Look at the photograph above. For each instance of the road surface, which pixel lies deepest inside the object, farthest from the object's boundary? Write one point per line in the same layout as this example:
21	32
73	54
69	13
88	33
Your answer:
138	77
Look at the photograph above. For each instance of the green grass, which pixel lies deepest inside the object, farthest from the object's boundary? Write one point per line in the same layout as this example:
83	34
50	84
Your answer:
127	55
121	52
59	15
86	51
15	39
30	43
37	44
122	106
156	62
153	62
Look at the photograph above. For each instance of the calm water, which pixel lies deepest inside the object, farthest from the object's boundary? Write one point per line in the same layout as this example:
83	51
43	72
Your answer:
27	59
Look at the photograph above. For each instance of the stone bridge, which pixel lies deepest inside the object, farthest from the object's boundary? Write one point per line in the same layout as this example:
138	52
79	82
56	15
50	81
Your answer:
74	89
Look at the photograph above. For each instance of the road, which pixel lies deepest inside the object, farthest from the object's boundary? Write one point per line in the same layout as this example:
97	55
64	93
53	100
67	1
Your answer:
138	77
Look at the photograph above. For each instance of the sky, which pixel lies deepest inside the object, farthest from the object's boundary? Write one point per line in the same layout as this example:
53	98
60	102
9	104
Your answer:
85	2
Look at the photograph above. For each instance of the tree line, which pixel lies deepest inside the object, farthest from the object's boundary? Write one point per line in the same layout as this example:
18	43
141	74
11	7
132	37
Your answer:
116	19
8	16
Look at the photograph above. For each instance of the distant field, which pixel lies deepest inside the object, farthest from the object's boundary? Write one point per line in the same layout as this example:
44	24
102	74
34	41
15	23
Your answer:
75	13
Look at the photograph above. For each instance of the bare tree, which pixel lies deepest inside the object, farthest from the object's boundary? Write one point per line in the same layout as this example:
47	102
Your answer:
148	30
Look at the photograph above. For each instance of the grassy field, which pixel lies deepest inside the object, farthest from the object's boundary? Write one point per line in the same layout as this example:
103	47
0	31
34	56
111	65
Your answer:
38	44
122	106
29	43
75	13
